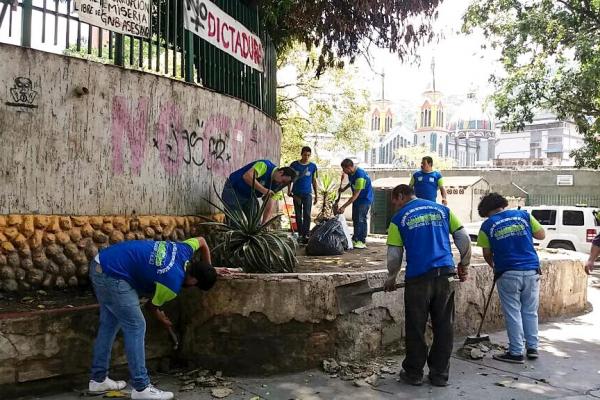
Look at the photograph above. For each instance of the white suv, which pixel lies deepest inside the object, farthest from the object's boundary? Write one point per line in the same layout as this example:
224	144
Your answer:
567	227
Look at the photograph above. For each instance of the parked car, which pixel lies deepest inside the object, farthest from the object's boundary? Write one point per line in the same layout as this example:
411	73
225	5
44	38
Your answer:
567	227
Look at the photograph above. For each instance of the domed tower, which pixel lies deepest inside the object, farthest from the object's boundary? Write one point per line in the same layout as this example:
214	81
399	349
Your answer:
471	134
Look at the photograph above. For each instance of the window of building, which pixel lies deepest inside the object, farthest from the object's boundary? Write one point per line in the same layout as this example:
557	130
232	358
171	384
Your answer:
433	141
440	150
545	217
375	121
415	139
572	218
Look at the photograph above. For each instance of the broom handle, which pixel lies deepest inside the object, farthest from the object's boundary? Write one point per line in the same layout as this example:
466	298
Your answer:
487	303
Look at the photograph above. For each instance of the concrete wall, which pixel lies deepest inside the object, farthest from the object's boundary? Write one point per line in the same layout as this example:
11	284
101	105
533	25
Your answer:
255	324
273	323
535	182
82	138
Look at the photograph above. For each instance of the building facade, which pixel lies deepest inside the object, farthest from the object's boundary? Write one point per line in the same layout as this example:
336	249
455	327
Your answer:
545	141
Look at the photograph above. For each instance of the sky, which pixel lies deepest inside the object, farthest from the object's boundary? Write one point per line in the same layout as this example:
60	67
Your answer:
460	63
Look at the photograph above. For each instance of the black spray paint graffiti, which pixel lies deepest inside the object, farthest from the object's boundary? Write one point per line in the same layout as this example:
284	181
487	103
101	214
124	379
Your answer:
193	146
22	93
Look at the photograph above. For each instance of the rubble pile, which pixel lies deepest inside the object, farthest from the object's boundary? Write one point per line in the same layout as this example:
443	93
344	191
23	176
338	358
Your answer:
480	350
363	373
203	378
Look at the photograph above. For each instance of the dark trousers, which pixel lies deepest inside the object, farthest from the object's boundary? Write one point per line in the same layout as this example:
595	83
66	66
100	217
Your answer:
302	209
424	297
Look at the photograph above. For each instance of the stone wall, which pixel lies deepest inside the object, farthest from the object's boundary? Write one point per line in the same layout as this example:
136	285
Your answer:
255	323
84	138
49	251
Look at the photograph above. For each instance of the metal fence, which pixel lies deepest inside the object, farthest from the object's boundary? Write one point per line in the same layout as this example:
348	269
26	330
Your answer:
563	200
170	50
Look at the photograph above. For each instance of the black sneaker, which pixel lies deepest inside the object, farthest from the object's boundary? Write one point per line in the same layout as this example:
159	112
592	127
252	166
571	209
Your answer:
532	354
410	380
438	381
509	358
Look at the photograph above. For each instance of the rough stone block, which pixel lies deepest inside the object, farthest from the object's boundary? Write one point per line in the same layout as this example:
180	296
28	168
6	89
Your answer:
11	233
96	222
107	228
54	226
65	223
3	221
14	220
8	374
28	227
87	230
36	240
79	220
41	221
75	234
63	238
121	224
49	238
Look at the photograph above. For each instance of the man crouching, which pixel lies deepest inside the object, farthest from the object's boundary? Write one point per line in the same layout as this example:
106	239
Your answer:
120	274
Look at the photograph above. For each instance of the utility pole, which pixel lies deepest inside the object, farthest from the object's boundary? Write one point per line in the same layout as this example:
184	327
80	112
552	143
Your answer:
382	84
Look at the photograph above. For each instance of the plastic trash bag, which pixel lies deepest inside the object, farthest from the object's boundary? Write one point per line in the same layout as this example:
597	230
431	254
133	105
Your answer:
327	239
342	219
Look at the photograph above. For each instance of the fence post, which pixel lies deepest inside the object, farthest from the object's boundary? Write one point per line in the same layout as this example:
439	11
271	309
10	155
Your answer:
189	56
26	23
119	49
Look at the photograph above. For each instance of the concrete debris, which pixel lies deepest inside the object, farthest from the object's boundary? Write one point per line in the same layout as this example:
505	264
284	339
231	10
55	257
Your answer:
330	366
360	373
480	350
476	354
506	384
201	378
221	393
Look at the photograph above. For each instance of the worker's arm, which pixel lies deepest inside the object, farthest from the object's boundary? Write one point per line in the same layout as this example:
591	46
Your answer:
267	214
463	244
342	189
536	228
412	181
350	201
395	253
443	192
200	244
484	242
315	187
250	177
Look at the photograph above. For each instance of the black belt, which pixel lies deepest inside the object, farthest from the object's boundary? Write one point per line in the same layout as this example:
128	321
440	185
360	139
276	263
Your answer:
432	274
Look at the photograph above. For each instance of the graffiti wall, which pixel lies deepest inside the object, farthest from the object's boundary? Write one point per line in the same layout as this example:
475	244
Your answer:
83	138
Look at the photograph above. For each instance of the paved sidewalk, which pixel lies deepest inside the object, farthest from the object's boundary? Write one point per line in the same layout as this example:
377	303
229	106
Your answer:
568	368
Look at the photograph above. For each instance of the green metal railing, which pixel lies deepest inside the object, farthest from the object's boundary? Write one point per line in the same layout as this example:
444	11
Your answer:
170	50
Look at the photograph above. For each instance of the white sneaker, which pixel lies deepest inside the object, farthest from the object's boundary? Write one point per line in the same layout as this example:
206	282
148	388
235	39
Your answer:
107	385
151	393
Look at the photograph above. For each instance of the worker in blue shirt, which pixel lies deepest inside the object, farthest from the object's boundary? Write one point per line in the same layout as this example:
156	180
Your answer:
506	237
306	173
266	179
426	182
361	200
422	228
120	274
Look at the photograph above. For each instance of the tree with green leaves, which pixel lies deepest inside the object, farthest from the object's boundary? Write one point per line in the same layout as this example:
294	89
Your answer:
343	29
330	105
550	51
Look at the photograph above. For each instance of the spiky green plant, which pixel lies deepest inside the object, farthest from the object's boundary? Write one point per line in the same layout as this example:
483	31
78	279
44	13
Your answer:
243	241
327	193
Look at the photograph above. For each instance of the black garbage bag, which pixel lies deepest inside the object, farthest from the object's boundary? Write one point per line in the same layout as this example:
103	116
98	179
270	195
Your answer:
327	239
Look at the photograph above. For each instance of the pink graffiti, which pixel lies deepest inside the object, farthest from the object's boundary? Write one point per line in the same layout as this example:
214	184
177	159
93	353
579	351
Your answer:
168	142
131	125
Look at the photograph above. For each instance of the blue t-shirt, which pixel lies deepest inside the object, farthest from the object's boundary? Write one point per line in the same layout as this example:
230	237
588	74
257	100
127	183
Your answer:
360	180
508	234
264	174
426	184
303	183
423	228
149	266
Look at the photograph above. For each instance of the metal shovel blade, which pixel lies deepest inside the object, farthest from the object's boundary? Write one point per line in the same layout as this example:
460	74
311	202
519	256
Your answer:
353	295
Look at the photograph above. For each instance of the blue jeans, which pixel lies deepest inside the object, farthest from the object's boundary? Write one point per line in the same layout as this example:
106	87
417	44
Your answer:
235	202
519	293
119	309
359	221
302	209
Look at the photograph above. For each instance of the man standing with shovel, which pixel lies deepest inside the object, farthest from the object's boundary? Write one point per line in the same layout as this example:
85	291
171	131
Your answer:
423	228
507	241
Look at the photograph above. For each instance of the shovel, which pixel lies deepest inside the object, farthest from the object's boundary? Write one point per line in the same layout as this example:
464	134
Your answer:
356	295
479	338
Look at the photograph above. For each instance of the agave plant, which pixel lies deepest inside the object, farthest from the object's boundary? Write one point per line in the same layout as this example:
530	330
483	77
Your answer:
243	241
327	193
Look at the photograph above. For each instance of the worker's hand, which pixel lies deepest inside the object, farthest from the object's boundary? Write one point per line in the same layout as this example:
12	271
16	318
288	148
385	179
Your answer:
162	317
463	273
224	271
589	266
445	202
390	284
341	210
